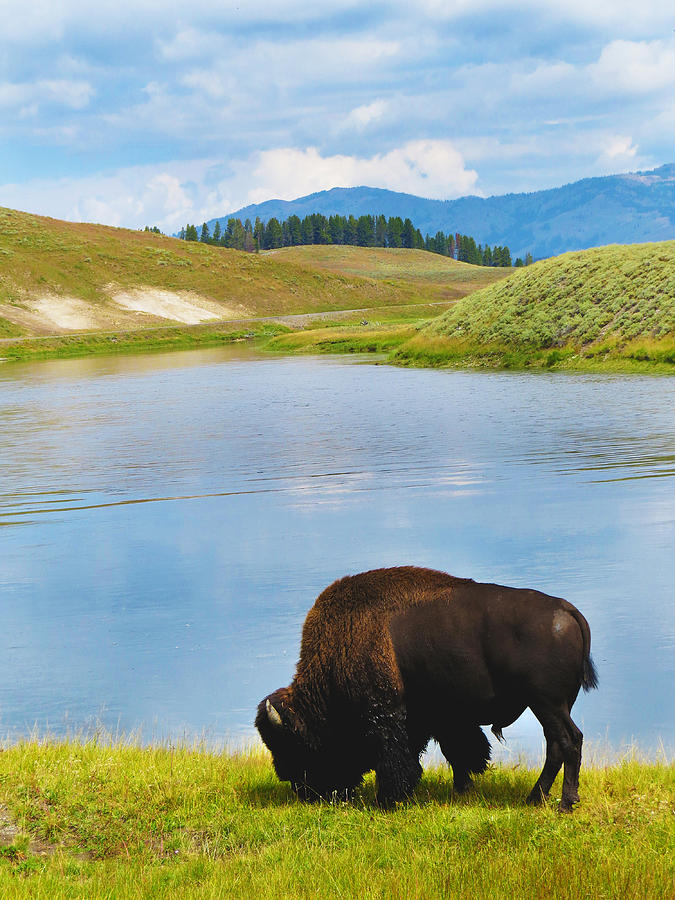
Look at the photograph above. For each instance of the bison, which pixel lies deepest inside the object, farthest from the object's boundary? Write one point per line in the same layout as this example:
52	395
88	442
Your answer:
394	657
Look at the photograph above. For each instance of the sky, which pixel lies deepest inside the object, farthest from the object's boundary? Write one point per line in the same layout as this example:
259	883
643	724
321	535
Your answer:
155	112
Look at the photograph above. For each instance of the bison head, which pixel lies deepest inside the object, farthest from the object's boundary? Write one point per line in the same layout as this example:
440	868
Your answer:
317	767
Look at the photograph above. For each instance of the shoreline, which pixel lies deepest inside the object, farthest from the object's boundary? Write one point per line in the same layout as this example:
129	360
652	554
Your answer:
396	336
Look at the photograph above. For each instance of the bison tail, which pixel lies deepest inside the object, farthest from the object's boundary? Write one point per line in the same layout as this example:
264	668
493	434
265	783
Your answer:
589	675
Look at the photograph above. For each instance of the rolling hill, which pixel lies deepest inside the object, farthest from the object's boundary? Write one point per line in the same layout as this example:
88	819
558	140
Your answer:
61	277
611	301
628	208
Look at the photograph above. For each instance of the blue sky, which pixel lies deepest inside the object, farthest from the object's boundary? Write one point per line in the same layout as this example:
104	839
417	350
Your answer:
166	112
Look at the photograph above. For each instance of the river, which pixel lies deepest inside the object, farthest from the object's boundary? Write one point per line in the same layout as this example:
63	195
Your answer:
167	520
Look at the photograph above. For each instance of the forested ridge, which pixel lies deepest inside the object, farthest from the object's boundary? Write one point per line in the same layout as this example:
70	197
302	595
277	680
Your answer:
364	231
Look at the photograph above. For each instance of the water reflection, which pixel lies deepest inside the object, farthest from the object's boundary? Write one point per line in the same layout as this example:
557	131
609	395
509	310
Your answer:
168	520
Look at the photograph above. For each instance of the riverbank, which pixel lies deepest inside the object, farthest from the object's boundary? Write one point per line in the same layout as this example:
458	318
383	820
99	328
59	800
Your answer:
395	335
411	344
118	820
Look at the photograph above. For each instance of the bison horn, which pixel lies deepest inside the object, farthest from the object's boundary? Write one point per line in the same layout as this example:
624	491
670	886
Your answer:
272	714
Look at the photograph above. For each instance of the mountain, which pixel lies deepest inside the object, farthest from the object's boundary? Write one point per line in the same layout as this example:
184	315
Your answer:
616	209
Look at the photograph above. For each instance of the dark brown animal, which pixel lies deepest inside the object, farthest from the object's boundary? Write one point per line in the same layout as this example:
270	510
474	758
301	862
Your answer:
394	657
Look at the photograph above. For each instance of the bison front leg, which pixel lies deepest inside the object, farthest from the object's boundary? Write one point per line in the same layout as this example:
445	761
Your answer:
397	765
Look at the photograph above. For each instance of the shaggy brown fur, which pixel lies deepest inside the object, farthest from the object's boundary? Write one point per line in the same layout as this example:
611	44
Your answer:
394	657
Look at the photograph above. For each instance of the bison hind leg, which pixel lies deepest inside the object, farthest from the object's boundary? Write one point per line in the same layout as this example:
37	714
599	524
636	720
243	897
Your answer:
563	746
467	750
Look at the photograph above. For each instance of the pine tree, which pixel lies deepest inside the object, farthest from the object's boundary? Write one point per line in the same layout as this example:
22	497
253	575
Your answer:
217	232
249	240
365	231
191	233
394	232
205	236
408	234
307	230
273	234
259	234
295	230
350	231
336	229
380	231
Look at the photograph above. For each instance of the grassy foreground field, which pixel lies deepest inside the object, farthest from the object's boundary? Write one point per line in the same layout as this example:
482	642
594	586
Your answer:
94	819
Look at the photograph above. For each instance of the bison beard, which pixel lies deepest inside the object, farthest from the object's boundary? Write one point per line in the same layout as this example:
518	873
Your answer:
395	657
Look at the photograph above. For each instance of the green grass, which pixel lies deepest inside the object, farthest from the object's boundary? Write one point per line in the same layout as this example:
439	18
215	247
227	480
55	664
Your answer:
171	337
368	338
42	257
104	819
612	305
438	277
607	309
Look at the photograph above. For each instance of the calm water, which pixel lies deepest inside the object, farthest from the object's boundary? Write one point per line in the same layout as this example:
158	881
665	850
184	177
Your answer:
166	522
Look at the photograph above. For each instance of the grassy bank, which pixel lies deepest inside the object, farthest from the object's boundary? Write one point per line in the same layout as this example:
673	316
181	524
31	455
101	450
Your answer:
410	344
172	337
93	819
607	309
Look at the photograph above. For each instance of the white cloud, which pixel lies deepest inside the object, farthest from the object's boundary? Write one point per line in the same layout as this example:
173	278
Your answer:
55	92
363	116
133	197
636	67
428	168
618	154
625	16
196	190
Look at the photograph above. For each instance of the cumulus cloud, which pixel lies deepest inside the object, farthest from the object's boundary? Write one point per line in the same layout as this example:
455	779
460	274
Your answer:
411	98
363	116
133	197
197	190
58	92
618	154
428	168
636	67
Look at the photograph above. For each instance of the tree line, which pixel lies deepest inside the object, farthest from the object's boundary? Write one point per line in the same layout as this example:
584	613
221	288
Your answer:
364	231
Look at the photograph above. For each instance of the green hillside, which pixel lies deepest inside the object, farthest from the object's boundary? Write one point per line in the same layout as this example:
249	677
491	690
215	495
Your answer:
60	277
611	301
438	277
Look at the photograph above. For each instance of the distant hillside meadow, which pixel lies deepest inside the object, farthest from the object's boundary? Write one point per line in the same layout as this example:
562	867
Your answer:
630	208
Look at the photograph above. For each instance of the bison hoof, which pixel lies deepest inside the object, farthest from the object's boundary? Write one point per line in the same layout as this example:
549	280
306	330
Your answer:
535	798
462	787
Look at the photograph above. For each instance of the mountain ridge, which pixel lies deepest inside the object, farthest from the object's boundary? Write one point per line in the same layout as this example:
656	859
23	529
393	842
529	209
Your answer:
633	207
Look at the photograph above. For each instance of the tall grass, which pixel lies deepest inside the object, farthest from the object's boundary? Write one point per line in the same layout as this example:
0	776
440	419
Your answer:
114	819
605	296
